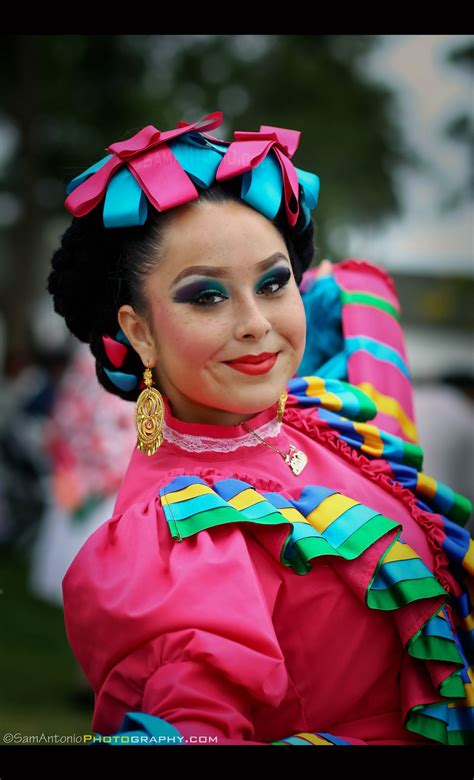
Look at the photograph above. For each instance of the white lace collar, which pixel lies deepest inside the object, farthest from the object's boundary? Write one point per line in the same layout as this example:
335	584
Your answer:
202	437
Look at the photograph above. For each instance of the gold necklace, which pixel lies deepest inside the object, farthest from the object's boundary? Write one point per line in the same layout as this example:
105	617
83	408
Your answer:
295	458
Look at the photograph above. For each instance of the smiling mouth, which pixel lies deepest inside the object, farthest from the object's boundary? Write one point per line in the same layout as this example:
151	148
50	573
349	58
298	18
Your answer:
253	360
254	369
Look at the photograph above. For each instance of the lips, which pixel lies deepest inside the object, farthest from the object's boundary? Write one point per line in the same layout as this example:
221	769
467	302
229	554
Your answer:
253	359
254	369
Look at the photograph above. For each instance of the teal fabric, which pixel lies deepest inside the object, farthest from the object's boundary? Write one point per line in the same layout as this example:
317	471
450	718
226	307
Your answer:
324	353
139	728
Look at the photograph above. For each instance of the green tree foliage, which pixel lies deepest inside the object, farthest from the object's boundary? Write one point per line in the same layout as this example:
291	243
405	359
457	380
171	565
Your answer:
460	127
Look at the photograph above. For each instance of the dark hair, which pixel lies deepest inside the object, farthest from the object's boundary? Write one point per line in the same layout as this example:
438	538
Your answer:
96	270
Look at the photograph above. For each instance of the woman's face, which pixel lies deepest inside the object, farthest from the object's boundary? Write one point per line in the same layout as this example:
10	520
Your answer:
246	302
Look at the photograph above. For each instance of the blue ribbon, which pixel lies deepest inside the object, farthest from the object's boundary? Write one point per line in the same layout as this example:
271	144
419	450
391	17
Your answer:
125	382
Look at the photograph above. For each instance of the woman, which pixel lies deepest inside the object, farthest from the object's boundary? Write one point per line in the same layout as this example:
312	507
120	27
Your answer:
277	569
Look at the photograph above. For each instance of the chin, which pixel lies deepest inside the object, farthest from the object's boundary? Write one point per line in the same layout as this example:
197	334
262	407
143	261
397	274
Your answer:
261	399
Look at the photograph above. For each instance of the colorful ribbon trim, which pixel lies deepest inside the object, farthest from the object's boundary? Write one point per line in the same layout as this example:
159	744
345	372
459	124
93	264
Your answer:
143	729
455	541
374	344
356	313
405	458
366	437
325	522
331	394
317	738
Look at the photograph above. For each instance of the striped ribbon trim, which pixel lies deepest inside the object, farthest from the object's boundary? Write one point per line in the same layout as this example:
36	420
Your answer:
374	344
350	419
333	394
390	406
368	299
378	350
405	458
319	738
325	522
453	510
457	545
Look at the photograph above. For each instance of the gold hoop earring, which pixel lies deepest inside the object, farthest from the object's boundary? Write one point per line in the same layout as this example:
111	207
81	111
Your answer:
281	405
149	416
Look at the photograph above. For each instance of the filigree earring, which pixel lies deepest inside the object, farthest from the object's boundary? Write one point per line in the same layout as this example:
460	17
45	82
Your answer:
149	416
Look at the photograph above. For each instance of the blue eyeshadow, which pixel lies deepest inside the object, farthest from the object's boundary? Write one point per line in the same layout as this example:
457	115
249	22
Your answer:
195	289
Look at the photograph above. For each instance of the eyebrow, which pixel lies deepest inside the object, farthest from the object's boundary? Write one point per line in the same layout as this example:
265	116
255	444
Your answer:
220	272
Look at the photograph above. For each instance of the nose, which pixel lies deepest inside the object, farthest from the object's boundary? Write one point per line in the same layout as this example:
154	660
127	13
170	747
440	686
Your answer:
250	319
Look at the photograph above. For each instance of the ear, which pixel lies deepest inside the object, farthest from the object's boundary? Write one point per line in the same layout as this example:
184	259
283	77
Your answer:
138	333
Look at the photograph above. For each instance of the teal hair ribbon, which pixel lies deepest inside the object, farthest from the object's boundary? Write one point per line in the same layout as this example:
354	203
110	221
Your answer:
125	382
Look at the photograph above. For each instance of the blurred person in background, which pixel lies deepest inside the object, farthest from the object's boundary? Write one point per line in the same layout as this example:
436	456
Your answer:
88	440
445	422
29	384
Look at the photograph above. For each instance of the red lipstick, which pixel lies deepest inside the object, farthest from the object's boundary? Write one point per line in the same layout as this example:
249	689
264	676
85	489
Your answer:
254	364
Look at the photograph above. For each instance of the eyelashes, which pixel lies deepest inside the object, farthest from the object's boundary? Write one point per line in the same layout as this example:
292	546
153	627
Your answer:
281	279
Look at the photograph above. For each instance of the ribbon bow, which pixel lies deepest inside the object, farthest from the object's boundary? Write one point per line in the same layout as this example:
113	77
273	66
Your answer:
164	167
267	176
148	168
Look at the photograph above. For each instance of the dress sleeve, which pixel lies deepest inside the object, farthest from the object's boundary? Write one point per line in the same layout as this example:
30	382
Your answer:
355	334
375	345
180	631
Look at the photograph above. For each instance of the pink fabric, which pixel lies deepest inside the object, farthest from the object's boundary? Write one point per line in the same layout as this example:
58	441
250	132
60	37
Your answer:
363	320
383	327
375	280
214	634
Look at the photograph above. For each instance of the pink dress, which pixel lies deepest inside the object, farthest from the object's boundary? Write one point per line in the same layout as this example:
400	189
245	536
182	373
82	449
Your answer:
191	604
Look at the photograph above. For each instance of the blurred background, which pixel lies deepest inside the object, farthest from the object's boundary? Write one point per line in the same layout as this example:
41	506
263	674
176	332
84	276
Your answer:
387	123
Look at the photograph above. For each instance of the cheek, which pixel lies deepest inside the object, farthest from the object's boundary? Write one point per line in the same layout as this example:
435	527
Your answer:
187	337
294	322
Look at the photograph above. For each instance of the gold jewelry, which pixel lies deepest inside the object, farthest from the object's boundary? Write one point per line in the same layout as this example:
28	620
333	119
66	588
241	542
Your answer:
281	405
296	459
149	416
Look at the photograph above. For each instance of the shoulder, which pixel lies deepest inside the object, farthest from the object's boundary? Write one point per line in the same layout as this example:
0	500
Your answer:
135	580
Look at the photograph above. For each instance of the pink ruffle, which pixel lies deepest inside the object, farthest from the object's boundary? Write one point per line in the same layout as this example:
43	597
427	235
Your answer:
378	471
353	264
